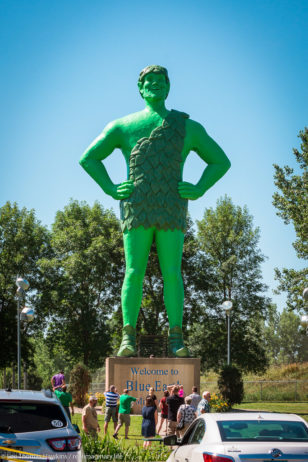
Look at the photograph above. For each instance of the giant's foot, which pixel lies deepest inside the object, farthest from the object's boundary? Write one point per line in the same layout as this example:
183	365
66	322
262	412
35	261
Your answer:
176	345
128	344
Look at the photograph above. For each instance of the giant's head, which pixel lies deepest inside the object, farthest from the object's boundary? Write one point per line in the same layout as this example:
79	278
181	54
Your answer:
153	82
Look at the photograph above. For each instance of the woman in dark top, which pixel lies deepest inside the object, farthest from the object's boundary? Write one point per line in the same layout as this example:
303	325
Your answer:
149	421
153	396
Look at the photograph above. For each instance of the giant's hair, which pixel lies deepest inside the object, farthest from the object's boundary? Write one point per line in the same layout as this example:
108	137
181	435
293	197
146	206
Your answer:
157	70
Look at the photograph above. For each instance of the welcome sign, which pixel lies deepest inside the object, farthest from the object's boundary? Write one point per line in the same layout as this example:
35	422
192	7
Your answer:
138	375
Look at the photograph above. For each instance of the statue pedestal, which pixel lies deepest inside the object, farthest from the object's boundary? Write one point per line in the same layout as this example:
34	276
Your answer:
139	374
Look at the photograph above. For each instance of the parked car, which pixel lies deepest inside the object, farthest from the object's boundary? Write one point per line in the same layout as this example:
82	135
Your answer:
242	437
36	423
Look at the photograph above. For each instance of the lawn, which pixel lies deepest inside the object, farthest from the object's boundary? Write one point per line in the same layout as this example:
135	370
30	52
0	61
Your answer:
294	408
134	437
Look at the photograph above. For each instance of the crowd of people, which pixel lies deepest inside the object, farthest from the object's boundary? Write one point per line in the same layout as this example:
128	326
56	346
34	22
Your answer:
177	410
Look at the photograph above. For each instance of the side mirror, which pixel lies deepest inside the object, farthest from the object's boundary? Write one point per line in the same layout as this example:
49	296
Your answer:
76	428
170	440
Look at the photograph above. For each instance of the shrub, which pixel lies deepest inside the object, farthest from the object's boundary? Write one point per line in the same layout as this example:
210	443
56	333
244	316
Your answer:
101	400
80	380
230	384
104	448
218	404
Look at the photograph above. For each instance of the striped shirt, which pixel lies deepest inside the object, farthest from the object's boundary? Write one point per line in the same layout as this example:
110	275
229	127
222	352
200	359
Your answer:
111	398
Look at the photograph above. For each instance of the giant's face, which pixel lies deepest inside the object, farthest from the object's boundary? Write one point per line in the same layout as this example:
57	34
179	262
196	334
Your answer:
154	87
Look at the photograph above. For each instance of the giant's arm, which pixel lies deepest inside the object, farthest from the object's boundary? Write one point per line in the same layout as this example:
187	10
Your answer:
209	151
99	150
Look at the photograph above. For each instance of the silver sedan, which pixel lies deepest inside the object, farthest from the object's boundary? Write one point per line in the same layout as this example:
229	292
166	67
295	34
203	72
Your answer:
242	437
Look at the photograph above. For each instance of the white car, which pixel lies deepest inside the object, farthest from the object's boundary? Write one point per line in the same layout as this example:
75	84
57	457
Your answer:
35	426
242	437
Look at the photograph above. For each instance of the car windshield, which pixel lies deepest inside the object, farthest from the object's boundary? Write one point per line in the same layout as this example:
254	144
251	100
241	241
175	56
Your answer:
30	417
262	430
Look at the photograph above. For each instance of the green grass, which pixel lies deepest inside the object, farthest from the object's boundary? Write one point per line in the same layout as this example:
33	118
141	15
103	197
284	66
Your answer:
287	383
134	436
295	371
294	408
106	447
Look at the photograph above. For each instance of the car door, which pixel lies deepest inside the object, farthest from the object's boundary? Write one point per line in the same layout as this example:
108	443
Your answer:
191	440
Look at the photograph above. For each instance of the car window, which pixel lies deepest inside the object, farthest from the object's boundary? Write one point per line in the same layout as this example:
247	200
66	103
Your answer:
188	433
197	433
30	417
262	430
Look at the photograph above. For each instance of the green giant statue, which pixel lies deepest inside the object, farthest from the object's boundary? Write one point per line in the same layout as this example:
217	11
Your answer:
155	143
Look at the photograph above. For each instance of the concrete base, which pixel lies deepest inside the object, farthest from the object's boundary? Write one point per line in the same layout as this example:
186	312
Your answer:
139	374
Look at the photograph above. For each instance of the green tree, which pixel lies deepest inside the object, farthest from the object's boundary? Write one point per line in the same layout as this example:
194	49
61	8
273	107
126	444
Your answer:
82	282
270	334
286	341
293	341
229	243
292	206
49	361
23	241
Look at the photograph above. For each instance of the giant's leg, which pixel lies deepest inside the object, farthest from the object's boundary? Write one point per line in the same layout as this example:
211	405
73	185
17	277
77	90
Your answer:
137	245
170	250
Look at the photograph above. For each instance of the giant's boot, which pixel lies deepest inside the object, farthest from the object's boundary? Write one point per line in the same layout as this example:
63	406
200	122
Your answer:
176	345
128	344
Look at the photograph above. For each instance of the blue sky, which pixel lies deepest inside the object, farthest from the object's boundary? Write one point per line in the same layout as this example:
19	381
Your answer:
69	67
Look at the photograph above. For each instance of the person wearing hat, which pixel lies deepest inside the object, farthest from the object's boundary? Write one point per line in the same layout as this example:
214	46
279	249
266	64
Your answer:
89	418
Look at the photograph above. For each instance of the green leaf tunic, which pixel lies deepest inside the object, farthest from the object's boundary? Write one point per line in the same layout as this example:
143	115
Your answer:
155	166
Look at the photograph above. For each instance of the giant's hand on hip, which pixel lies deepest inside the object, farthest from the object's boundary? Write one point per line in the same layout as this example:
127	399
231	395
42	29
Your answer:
123	190
188	190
